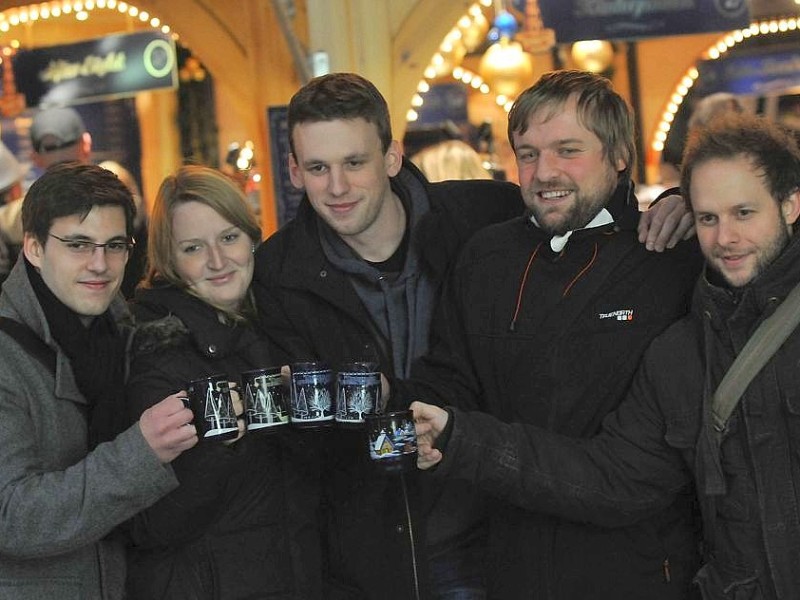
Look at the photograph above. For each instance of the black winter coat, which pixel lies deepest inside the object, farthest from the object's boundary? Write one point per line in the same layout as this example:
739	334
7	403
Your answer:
657	441
242	524
537	338
310	309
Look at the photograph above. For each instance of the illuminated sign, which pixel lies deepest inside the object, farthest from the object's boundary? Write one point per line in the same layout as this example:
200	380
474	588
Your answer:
114	66
763	74
575	20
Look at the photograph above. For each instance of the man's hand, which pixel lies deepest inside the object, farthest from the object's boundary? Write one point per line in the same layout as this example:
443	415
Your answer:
665	224
429	421
167	427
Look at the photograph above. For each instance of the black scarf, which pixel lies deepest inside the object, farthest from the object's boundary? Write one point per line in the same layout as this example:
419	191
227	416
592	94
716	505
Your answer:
97	357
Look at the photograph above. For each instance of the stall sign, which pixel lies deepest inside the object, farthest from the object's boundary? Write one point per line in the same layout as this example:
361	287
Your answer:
754	74
575	20
114	66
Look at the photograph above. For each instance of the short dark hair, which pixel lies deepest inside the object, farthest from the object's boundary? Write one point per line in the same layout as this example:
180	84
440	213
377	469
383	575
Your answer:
73	189
340	96
601	110
772	150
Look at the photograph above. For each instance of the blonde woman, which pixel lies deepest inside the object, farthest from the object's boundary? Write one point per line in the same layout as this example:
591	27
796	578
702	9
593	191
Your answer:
236	526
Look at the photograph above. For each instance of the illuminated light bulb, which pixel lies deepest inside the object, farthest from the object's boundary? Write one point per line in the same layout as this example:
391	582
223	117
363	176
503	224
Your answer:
593	55
506	67
416	100
411	115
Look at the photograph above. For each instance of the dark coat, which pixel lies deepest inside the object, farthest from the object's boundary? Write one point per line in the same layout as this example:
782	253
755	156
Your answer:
242	524
537	338
60	501
310	309
656	442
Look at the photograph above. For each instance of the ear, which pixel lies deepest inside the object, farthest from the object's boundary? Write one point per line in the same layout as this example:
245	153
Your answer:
621	165
790	207
393	159
33	250
294	172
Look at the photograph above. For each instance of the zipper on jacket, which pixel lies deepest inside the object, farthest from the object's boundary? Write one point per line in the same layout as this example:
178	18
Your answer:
410	536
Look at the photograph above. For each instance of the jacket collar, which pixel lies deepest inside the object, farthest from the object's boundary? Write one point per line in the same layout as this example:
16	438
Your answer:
200	321
18	301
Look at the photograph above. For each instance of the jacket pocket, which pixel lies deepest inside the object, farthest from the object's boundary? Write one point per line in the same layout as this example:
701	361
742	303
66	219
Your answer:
63	588
714	585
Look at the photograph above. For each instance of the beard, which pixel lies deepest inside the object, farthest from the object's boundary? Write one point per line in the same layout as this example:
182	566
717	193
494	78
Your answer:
558	220
763	258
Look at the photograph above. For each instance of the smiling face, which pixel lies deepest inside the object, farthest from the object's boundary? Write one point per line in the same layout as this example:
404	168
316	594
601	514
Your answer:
564	173
345	173
211	255
86	283
740	226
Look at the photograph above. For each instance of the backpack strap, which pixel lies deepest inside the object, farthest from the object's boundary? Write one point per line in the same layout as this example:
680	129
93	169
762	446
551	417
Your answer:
32	343
761	346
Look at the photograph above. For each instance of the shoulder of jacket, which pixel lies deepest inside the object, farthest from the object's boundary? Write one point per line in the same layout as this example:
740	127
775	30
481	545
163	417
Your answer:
152	336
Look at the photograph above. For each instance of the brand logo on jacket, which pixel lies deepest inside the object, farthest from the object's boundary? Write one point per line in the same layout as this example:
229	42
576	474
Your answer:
624	314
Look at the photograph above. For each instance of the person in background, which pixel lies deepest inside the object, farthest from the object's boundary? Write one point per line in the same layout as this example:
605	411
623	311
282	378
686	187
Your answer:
740	175
12	174
138	260
712	106
67	479
450	159
58	134
543	322
242	523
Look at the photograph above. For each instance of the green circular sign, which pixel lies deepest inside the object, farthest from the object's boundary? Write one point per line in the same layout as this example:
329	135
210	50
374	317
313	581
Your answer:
158	47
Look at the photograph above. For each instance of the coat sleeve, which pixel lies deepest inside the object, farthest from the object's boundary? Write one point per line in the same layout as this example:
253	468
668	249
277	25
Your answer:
50	512
202	470
625	473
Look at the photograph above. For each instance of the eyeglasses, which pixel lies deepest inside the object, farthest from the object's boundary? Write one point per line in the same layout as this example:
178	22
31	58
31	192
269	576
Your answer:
87	248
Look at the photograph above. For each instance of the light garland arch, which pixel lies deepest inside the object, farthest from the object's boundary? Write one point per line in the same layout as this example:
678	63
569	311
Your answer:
713	52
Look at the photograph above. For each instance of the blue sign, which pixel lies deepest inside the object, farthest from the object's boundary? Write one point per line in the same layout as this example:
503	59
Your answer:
287	197
113	66
759	74
575	20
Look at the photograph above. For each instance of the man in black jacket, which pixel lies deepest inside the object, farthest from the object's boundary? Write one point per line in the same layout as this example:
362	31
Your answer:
544	321
356	275
740	175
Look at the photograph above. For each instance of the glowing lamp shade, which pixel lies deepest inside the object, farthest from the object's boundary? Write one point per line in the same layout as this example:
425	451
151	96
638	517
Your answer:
506	67
593	55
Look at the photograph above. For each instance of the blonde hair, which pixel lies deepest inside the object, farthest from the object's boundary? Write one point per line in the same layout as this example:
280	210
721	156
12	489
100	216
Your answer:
193	183
450	159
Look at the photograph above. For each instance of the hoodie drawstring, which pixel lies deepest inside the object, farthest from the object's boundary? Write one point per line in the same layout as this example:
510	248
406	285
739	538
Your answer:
513	323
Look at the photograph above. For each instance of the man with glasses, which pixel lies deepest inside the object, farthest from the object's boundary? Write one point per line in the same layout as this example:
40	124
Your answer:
68	478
